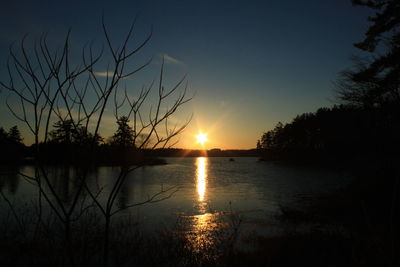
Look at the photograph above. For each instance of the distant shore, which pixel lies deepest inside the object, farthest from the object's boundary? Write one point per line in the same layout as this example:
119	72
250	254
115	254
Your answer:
106	157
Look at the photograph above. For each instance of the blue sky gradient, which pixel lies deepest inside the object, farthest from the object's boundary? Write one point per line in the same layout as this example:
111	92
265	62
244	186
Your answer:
249	63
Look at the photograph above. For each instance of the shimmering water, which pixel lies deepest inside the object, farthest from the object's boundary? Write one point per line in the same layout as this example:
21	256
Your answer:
207	188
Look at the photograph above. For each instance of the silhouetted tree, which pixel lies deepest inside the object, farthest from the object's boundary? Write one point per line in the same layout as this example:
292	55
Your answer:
47	85
14	135
11	146
63	132
258	145
340	132
369	122
3	136
375	80
124	136
83	137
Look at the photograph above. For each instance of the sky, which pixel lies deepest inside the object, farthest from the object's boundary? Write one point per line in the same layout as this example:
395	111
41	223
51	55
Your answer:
249	64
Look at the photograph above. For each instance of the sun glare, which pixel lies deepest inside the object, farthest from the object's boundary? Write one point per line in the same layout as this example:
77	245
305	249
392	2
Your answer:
201	138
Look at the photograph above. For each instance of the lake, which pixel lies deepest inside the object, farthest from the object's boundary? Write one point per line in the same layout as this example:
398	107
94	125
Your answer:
207	189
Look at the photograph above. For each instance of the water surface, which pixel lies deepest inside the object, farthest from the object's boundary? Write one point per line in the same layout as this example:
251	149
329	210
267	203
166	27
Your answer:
207	188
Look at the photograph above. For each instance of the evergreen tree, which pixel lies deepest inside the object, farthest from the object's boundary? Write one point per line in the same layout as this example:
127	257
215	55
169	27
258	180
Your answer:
83	137
124	136
375	81
63	132
14	135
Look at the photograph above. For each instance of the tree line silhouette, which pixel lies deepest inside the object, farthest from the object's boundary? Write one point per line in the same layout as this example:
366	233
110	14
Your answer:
69	144
362	132
366	122
75	144
339	133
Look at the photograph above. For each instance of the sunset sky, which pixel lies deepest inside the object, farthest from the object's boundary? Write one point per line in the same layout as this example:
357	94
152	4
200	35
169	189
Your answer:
250	64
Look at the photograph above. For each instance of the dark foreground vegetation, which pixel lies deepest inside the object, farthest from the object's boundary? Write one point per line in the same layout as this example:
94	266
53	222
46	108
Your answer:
361	135
356	226
128	246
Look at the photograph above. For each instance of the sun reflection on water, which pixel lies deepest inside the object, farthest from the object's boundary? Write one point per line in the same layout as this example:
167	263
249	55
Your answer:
201	173
202	234
201	227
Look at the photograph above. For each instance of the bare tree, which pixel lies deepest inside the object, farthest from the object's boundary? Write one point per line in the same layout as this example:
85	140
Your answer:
49	85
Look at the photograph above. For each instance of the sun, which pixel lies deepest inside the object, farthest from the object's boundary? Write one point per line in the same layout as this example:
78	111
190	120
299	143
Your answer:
201	138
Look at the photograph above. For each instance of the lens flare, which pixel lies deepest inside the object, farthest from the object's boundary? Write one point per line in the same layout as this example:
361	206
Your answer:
201	138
